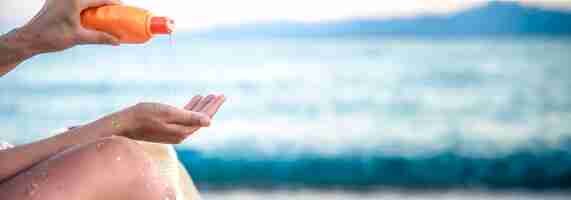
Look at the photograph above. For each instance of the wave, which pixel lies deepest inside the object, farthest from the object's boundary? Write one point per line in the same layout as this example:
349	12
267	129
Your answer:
537	168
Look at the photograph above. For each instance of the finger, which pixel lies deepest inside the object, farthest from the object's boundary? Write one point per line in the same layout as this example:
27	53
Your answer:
188	118
193	102
96	3
204	102
213	106
96	37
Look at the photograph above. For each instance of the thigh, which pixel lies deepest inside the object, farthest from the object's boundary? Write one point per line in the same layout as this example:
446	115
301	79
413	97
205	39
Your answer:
111	168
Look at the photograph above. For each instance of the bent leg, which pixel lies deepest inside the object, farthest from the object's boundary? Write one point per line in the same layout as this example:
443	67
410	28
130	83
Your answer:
112	168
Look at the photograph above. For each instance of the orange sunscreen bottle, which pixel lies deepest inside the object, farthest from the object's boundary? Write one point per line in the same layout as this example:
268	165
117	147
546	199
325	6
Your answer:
129	24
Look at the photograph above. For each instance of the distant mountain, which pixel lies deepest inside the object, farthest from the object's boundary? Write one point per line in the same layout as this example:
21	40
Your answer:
495	18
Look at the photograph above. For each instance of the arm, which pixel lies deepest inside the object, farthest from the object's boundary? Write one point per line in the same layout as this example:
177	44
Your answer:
13	50
147	121
56	27
22	157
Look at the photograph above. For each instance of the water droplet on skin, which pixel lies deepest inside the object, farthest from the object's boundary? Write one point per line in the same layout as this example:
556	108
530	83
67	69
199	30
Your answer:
31	189
98	146
118	158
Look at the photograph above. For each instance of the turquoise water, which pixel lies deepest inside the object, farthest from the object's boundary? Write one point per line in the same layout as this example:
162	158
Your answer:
331	98
387	195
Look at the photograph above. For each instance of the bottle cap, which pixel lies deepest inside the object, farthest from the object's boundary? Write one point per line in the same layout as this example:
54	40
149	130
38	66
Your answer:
161	25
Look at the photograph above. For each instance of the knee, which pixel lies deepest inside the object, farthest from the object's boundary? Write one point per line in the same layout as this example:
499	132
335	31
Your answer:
115	144
121	154
128	159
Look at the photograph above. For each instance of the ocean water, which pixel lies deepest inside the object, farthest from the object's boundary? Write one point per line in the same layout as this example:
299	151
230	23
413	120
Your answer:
386	195
328	113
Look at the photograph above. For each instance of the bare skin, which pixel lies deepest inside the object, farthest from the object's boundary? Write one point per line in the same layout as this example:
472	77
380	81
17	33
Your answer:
56	27
146	122
98	170
90	169
98	160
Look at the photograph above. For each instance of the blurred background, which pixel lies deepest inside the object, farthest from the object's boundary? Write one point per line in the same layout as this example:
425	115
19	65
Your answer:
338	99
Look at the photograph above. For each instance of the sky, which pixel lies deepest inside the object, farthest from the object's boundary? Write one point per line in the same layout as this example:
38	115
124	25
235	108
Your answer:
193	14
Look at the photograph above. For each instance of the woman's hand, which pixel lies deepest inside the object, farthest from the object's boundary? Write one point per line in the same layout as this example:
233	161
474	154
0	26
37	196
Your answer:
58	26
208	105
161	123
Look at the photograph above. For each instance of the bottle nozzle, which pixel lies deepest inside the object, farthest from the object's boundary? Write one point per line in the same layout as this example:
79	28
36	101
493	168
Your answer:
161	25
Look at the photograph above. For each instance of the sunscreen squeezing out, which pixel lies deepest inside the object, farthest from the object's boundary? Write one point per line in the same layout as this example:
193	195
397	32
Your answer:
129	24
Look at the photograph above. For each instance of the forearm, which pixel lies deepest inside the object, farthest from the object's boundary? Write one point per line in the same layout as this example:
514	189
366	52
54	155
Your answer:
22	157
150	122
14	48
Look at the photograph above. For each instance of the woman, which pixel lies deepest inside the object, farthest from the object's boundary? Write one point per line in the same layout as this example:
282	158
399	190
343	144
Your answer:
99	160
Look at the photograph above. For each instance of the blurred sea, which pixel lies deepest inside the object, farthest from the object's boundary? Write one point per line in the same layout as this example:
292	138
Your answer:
331	114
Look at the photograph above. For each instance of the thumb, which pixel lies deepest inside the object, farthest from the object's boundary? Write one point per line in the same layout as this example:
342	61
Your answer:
185	117
96	37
